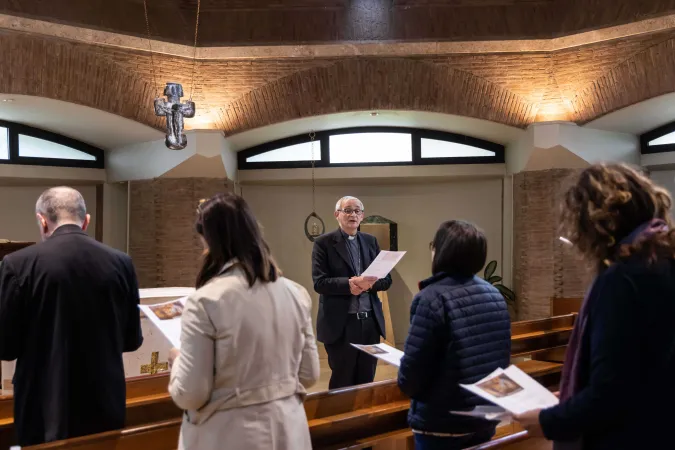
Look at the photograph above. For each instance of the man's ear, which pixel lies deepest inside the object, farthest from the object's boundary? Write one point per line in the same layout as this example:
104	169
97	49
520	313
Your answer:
336	214
85	224
42	223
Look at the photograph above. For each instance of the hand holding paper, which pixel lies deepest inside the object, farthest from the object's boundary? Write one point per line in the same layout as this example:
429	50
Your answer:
364	283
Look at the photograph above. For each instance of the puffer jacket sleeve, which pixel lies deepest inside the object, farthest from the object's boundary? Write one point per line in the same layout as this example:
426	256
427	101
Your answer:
423	346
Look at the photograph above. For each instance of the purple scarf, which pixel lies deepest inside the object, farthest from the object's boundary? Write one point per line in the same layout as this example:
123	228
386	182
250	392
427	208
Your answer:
569	383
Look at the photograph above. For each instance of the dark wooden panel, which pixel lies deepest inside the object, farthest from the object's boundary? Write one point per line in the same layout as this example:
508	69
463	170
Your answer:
562	306
8	247
247	22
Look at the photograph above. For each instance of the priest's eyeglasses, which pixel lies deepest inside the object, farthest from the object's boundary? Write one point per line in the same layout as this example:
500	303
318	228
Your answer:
350	211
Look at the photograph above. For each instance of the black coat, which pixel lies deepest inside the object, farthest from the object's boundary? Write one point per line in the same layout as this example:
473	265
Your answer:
460	332
68	310
626	390
331	270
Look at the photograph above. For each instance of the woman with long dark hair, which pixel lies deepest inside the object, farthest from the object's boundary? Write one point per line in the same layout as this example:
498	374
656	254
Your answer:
247	345
617	389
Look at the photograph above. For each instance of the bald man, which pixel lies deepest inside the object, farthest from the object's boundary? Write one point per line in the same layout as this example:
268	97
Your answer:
68	310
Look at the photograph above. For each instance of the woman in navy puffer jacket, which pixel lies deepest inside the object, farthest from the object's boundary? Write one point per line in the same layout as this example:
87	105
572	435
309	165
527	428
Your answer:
460	332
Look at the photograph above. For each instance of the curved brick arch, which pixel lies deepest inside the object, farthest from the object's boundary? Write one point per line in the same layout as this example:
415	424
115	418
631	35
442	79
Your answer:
376	84
645	75
73	73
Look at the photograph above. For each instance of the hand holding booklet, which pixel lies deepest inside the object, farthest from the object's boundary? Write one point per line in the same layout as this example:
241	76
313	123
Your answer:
511	389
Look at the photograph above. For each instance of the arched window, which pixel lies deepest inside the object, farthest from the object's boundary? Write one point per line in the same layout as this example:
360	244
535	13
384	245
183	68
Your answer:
660	140
371	146
21	144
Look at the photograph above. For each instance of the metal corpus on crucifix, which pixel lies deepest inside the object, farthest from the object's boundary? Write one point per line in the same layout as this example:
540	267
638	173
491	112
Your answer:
171	107
154	366
174	111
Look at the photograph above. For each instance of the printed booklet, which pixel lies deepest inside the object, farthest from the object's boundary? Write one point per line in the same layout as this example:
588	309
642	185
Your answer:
512	390
167	318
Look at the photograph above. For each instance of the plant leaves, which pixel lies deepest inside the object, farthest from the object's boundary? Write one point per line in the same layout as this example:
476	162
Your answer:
507	293
490	269
494	279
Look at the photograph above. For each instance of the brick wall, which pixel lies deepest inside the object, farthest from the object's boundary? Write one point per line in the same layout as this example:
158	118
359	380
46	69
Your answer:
162	241
543	266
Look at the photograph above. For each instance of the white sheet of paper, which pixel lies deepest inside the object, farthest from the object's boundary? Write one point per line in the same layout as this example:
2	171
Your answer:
385	352
488	412
513	390
165	292
167	318
383	264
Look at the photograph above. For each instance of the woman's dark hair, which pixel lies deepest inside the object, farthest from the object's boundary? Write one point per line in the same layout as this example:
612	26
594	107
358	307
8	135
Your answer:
607	203
460	249
230	230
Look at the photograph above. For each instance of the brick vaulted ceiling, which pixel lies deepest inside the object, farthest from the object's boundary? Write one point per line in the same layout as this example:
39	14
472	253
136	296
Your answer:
493	80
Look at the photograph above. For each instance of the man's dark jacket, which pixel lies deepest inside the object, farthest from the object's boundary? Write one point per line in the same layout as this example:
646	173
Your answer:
460	332
68	310
331	270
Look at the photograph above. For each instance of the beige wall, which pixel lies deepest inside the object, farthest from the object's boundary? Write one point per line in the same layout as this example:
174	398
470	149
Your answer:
115	201
417	208
18	223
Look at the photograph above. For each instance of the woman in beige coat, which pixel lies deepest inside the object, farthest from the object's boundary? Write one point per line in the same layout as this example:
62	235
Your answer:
247	346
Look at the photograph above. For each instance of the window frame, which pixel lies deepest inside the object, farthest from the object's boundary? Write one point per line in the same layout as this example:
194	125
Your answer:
16	129
322	139
656	133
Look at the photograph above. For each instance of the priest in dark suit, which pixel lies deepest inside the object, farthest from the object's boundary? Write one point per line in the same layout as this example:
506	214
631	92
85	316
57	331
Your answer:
350	311
68	310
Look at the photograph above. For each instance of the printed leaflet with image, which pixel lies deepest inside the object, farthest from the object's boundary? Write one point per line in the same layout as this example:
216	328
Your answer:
385	352
167	318
513	390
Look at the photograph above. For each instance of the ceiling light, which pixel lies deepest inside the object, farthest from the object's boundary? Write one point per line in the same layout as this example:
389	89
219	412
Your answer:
565	240
7	100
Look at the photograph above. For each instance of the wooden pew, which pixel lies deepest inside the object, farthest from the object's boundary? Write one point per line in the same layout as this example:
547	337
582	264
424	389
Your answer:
564	305
371	415
361	416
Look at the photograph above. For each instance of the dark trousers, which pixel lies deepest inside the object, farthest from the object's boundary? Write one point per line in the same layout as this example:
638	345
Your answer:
429	442
348	365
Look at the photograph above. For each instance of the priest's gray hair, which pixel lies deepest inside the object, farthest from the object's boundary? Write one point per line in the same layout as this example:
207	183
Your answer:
338	205
61	204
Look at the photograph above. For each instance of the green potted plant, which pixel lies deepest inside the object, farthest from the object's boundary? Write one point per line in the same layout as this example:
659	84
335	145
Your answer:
495	280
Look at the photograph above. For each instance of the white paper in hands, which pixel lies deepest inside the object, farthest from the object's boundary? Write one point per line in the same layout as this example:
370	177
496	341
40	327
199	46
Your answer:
513	390
167	318
383	264
385	352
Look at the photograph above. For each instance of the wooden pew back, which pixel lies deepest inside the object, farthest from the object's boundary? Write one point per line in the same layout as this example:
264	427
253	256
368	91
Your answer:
352	417
565	305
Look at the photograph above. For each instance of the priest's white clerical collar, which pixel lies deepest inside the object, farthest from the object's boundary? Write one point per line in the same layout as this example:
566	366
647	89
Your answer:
351	238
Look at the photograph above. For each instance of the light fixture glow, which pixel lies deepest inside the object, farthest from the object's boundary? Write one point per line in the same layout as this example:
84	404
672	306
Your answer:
564	240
